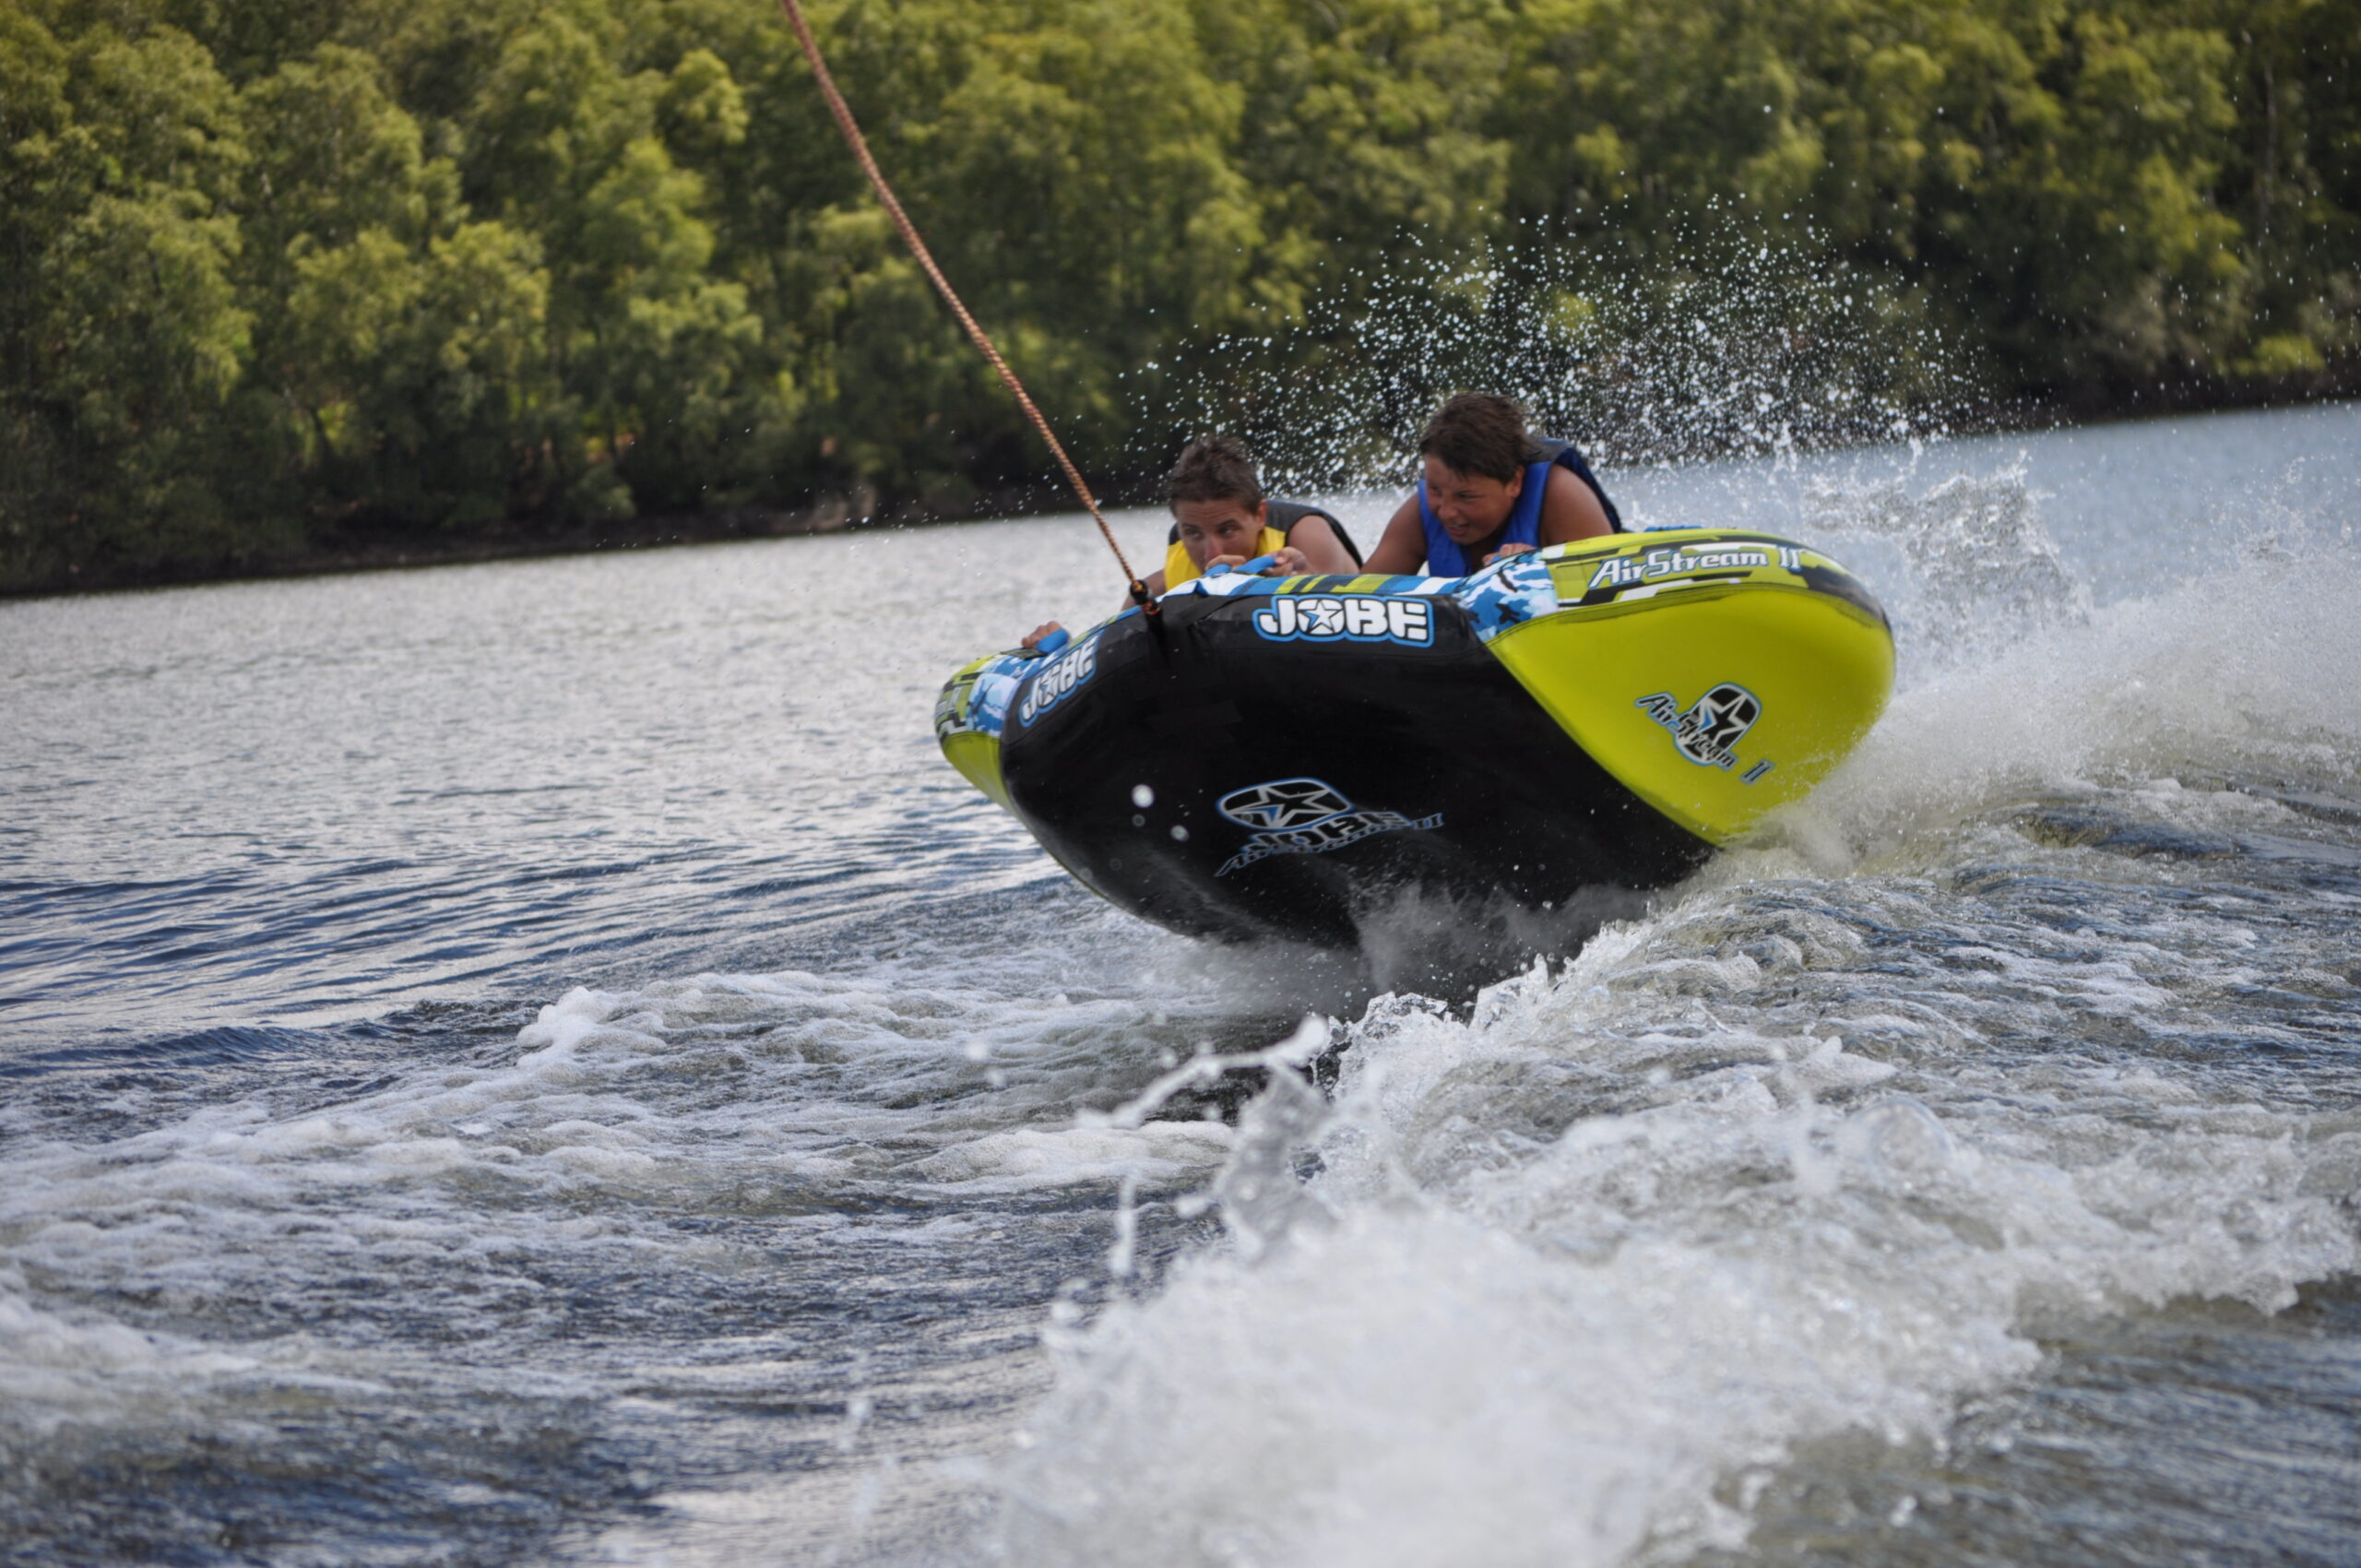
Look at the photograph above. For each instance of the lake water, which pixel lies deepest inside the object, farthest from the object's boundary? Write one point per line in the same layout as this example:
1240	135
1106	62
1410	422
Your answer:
542	1062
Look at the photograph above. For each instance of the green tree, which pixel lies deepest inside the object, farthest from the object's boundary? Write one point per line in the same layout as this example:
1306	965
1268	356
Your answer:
279	270
130	341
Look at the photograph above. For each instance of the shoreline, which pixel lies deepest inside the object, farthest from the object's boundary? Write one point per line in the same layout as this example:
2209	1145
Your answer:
840	514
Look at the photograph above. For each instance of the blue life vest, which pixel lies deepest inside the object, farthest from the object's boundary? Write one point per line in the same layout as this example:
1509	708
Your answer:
1444	557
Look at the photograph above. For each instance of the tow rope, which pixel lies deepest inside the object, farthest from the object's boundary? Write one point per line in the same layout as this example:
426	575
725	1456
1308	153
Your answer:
860	146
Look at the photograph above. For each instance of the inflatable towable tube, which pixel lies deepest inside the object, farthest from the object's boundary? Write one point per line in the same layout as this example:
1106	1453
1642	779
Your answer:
1284	755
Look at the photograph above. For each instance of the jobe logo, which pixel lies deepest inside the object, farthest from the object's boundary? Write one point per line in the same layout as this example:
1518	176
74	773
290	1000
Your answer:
1303	816
1711	726
1059	680
1364	618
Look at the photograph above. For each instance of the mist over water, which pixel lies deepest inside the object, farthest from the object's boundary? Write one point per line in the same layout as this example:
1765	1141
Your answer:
542	1062
1737	349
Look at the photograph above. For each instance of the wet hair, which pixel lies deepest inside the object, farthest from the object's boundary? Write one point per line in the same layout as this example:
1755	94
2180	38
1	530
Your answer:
1476	432
1214	467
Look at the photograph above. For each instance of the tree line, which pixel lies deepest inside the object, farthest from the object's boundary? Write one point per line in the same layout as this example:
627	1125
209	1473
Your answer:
276	272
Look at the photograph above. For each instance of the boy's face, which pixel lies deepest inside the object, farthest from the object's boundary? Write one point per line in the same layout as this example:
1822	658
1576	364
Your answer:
1471	507
1211	529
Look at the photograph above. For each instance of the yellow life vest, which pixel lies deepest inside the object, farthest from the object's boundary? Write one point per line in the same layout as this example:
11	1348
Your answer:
1179	568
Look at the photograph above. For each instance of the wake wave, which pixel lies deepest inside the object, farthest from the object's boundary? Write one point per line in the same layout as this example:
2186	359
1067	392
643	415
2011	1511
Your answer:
1575	1272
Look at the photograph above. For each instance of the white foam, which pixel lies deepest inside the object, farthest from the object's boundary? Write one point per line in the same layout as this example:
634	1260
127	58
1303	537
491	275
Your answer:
1574	1269
67	1366
2247	669
1158	1152
612	1113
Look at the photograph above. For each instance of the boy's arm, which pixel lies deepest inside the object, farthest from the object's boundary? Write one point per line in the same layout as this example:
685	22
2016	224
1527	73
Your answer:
1569	510
1322	551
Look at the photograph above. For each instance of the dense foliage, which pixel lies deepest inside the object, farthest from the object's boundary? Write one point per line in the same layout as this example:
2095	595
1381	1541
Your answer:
275	270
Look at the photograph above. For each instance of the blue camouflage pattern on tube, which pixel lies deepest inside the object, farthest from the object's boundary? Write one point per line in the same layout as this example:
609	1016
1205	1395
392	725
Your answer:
1233	586
1507	593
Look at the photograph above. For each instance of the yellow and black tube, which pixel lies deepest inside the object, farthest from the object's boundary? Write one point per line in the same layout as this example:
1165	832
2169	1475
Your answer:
1285	756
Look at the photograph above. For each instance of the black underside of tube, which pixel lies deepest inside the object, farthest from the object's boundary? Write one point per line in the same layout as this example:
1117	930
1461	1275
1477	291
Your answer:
1201	710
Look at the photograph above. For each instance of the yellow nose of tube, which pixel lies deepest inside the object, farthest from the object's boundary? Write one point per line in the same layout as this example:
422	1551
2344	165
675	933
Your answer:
1716	674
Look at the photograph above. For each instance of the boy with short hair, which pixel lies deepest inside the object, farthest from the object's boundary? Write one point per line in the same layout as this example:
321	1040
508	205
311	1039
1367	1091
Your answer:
1220	518
1487	488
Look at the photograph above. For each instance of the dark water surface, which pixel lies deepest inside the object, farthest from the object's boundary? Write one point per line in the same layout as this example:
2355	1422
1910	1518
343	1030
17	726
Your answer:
542	1062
